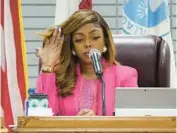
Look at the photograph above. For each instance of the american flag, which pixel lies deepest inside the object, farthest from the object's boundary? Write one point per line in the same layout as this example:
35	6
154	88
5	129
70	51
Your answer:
13	61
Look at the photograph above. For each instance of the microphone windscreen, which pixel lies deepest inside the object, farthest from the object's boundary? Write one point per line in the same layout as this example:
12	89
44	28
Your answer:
94	51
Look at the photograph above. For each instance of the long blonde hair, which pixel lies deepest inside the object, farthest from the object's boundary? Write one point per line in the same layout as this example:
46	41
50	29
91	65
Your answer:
66	75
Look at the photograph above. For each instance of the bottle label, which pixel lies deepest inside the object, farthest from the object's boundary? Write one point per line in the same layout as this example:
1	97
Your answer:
38	100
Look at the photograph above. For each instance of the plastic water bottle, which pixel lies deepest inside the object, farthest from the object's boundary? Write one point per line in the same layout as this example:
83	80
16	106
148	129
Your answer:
30	91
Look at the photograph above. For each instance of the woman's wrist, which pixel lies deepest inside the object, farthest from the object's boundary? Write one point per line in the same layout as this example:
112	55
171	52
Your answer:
47	69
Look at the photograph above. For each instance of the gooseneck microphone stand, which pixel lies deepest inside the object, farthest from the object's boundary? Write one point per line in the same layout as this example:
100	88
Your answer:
103	95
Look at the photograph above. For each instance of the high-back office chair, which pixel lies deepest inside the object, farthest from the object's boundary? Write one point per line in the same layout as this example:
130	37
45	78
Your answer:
150	55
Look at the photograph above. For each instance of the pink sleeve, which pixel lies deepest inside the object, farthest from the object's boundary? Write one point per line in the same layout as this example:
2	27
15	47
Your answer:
127	76
46	84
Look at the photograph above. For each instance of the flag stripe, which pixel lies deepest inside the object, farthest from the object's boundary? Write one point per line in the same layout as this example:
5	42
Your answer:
23	46
5	98
8	118
13	88
2	55
18	48
2	13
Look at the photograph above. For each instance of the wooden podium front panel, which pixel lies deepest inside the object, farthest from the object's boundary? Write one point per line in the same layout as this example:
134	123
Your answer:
79	124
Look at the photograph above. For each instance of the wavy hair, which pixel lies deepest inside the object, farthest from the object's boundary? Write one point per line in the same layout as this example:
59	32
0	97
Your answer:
66	75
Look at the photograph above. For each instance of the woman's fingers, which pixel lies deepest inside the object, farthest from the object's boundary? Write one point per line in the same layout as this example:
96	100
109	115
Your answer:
56	65
91	113
46	43
60	42
86	112
57	62
58	35
54	36
59	39
37	52
82	112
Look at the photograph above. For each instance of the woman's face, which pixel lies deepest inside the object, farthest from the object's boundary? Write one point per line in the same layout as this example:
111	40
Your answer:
87	37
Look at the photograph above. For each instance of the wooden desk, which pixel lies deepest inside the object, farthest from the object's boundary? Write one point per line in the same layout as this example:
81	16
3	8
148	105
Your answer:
3	129
96	124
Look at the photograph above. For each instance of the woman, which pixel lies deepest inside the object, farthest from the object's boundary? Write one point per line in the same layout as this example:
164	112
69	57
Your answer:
67	73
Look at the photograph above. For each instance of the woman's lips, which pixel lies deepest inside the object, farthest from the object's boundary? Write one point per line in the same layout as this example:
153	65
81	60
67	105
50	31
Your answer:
86	53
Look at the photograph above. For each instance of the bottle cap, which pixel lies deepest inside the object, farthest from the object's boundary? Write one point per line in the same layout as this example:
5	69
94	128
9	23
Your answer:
31	91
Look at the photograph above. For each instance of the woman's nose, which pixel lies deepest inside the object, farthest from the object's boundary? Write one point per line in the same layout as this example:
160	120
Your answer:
88	44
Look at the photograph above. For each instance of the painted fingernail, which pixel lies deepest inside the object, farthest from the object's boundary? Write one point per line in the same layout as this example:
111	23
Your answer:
59	29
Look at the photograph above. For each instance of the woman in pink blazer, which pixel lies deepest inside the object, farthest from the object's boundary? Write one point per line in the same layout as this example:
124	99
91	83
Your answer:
67	75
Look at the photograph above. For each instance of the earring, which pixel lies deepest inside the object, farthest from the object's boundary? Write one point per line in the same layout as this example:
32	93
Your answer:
104	49
73	52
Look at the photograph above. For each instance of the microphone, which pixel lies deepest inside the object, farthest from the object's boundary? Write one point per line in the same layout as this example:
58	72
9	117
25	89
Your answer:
95	56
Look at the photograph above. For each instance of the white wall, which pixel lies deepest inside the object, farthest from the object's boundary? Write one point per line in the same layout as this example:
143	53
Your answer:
39	14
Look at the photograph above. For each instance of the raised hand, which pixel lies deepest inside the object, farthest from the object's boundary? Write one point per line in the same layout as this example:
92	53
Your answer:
50	53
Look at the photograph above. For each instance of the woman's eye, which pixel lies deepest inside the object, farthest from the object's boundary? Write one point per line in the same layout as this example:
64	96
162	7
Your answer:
96	37
78	40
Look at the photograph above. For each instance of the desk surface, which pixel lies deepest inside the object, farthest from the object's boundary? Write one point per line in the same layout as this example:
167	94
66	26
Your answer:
96	124
4	130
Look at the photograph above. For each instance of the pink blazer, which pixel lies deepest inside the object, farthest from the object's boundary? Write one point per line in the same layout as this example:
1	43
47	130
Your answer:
114	76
